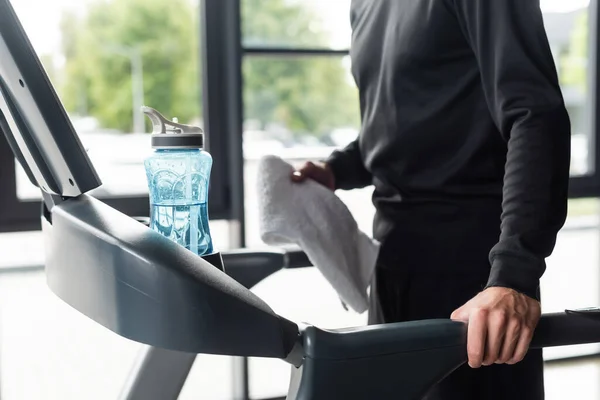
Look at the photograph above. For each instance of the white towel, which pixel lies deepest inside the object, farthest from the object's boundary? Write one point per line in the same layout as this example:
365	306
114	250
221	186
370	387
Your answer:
314	218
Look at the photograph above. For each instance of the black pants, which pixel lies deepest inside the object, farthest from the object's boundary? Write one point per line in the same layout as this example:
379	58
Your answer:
400	296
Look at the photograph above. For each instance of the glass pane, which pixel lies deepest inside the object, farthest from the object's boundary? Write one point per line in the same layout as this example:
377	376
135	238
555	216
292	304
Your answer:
108	58
296	23
568	30
314	23
298	103
301	109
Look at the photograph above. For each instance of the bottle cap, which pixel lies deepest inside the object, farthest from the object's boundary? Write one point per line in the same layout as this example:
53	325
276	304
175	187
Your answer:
171	134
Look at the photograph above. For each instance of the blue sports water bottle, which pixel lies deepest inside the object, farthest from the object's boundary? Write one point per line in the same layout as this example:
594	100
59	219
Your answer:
178	173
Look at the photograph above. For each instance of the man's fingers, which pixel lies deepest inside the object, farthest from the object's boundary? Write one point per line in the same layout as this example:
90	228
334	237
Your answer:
460	315
522	346
501	322
476	337
309	167
304	172
298	176
317	172
509	344
496	329
527	329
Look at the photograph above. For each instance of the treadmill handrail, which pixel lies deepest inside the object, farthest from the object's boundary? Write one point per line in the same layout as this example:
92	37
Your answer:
565	329
429	350
553	329
556	329
250	267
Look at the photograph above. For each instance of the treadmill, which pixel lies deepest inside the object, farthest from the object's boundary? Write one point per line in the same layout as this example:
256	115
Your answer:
138	284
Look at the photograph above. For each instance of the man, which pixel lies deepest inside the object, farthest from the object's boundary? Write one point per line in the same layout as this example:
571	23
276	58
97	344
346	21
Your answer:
466	140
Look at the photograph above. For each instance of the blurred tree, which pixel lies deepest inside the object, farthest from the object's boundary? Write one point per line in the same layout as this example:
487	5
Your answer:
308	95
575	59
98	51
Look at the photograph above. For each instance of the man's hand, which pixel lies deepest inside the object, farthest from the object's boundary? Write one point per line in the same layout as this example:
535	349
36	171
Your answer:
501	324
319	172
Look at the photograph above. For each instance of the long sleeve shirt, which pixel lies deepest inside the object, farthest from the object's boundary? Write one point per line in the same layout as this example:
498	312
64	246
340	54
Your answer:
460	102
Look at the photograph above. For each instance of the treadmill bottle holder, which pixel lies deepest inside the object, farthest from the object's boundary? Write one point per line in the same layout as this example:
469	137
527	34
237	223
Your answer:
215	258
149	289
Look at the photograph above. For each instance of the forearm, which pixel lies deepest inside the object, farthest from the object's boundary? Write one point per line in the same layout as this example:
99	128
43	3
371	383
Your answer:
524	99
535	197
348	168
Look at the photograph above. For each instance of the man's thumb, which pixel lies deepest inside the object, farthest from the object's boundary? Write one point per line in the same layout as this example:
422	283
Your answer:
304	172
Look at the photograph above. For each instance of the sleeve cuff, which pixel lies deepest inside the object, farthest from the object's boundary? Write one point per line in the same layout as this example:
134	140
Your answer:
347	174
517	273
337	167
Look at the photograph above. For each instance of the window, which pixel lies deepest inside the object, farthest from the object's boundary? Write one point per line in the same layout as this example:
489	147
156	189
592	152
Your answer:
296	24
106	67
568	32
299	99
300	108
106	60
569	26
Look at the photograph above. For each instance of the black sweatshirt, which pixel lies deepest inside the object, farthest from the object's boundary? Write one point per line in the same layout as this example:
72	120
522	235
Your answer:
460	105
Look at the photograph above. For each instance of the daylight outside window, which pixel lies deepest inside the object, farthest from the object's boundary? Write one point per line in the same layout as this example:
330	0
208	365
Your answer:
105	67
108	58
303	107
568	32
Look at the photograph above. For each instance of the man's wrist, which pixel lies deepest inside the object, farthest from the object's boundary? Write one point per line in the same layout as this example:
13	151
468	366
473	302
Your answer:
517	273
535	295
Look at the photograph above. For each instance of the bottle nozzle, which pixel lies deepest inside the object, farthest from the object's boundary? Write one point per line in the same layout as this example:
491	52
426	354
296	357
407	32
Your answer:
160	123
172	134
